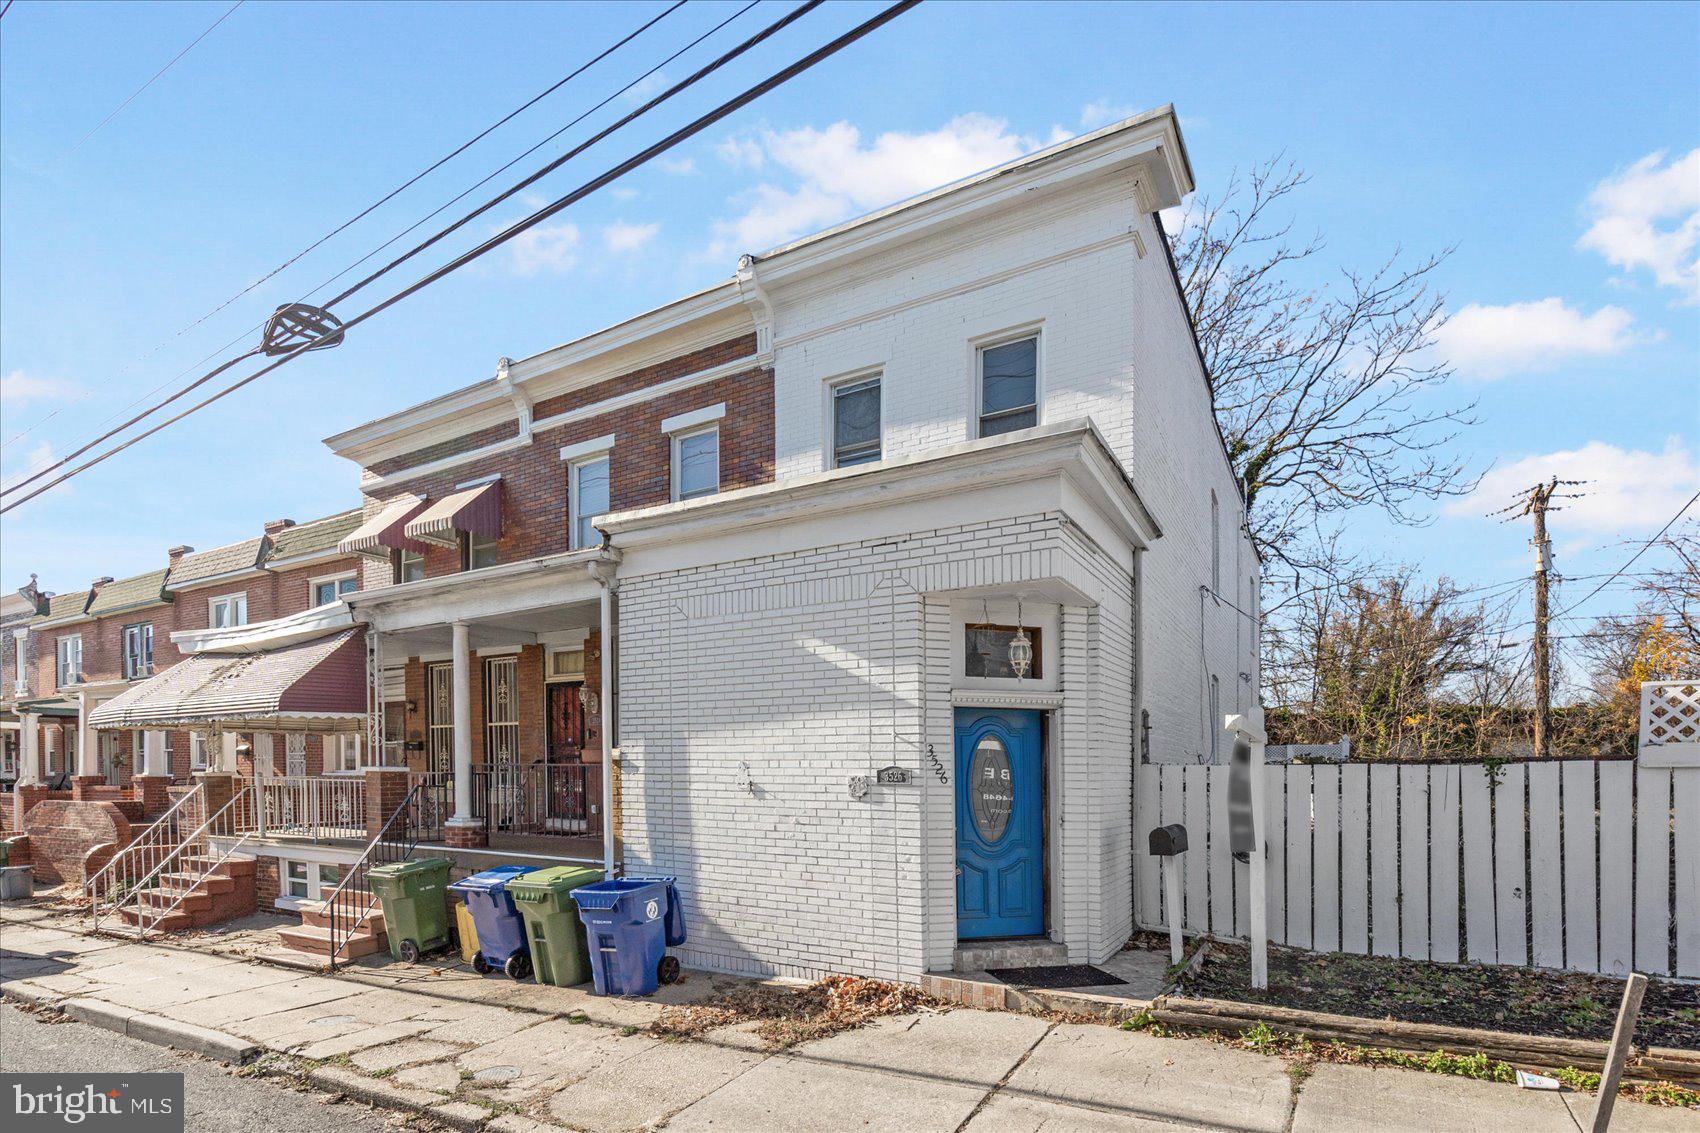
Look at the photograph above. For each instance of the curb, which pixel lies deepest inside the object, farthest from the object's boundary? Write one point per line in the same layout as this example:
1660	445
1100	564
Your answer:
155	1029
457	1115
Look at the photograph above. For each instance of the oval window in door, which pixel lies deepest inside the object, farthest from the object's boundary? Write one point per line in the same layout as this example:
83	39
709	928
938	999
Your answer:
992	788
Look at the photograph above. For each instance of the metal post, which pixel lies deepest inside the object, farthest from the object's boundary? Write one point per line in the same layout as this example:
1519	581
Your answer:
604	573
1257	863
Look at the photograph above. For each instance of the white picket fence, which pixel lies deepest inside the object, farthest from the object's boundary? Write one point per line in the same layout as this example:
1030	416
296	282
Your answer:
1581	864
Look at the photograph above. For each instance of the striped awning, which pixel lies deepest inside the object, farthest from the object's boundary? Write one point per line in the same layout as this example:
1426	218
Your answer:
474	511
320	683
384	531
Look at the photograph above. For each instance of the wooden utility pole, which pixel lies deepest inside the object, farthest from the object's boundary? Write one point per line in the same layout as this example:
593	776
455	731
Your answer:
1536	502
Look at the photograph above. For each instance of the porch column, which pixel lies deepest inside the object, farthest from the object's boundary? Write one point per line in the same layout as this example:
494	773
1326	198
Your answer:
154	779
463	828
227	751
30	769
88	750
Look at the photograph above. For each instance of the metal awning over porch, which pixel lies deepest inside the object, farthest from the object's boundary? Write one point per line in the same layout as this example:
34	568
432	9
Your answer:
316	685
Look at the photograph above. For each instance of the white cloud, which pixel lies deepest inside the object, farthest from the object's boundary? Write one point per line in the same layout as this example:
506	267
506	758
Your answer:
548	247
1648	217
624	193
678	166
37	458
645	89
623	237
19	388
838	175
743	153
1628	490
1103	112
1491	342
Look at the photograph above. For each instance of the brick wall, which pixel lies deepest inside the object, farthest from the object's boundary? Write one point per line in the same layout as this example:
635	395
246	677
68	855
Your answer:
828	664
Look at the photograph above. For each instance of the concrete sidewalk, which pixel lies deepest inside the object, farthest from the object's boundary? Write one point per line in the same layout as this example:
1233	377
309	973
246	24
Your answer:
519	1058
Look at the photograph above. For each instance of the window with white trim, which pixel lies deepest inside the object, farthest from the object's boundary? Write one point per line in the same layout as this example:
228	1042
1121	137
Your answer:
696	463
227	610
138	650
317	880
477	551
70	658
329	590
342	752
587	498
856	422
197	751
1009	386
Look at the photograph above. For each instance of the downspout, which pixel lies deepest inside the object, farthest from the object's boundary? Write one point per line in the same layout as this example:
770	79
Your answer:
605	571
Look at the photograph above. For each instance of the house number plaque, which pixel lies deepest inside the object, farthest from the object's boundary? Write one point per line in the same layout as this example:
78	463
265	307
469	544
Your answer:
894	776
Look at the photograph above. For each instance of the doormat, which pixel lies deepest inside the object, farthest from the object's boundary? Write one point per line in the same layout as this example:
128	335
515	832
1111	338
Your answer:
1052	977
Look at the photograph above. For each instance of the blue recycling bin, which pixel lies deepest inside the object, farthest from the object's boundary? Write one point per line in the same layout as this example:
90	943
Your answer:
629	922
501	931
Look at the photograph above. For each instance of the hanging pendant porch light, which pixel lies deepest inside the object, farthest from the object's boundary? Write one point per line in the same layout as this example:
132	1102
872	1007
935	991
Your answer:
1020	647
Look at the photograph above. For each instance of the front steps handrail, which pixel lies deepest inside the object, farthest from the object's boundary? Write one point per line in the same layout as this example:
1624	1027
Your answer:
120	875
198	839
348	907
142	914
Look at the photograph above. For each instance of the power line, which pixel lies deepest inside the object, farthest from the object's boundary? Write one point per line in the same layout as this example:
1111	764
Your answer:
156	77
682	85
1639	551
374	206
684	133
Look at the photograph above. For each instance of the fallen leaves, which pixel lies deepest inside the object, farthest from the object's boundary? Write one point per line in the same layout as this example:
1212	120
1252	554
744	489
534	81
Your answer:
786	1018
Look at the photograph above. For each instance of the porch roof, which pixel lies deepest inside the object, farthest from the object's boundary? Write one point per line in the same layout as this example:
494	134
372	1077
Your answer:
317	684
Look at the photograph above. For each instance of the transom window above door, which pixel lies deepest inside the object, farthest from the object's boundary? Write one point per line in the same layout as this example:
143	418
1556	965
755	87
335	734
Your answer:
1009	386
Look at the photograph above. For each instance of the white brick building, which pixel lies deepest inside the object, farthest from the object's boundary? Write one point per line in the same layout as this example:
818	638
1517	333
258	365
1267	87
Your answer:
990	429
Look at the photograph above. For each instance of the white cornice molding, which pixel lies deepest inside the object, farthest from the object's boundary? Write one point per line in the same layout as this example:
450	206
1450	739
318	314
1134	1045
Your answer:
1072	449
993	698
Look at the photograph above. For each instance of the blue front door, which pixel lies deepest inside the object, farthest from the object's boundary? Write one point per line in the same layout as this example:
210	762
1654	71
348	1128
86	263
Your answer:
1000	863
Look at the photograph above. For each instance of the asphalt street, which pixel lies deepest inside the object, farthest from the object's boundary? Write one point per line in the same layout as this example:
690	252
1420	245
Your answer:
219	1101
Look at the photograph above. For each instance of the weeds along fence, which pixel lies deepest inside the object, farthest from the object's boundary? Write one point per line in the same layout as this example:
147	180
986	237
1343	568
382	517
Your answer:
1582	864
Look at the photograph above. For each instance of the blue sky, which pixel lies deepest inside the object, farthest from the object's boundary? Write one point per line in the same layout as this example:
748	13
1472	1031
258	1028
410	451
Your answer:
1554	147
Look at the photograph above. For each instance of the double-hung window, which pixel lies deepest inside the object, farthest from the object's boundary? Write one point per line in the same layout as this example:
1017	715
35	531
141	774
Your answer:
587	498
696	463
1009	386
70	657
197	751
328	590
342	752
477	551
138	651
856	422
409	566
228	610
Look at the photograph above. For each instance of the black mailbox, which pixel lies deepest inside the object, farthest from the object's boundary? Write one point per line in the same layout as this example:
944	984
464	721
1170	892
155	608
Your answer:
414	745
1167	841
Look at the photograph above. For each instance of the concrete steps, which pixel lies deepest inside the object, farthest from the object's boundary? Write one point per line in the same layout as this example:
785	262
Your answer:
981	955
313	935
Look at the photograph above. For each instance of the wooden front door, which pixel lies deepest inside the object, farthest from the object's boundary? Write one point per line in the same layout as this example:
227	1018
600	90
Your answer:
566	723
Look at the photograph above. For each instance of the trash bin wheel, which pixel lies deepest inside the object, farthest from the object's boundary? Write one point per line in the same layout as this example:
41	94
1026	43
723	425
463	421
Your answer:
668	970
410	952
518	966
480	964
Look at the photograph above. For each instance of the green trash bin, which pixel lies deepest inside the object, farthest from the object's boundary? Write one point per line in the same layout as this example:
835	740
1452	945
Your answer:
544	899
416	905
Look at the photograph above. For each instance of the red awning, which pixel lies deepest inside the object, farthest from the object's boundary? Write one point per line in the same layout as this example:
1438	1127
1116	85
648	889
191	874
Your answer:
384	531
319	683
474	511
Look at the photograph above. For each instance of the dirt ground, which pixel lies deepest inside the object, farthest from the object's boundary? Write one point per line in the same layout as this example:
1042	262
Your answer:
1522	1000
